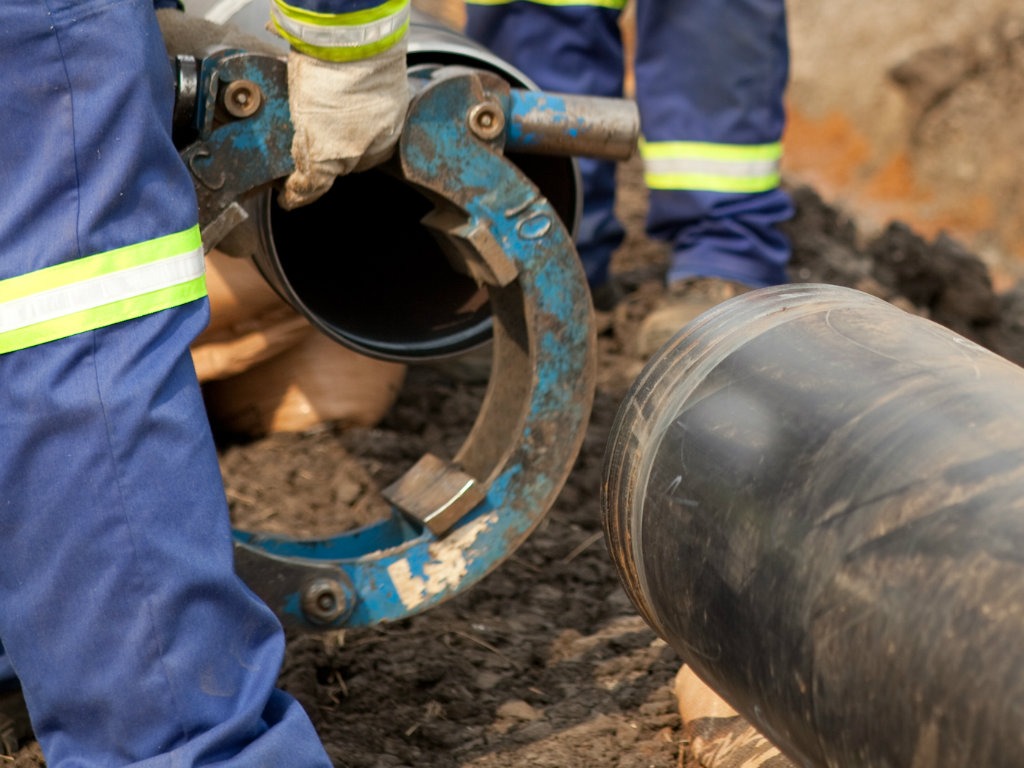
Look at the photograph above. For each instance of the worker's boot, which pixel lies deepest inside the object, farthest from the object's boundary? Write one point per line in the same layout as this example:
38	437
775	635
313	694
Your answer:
715	736
685	300
15	728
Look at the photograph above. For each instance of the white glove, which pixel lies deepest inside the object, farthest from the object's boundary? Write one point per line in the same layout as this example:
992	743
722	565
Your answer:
347	115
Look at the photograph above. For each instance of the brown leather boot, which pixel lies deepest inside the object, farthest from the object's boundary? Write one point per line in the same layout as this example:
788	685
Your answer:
685	300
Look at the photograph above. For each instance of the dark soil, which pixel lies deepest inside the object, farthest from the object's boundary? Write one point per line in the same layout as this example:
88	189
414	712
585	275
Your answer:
544	663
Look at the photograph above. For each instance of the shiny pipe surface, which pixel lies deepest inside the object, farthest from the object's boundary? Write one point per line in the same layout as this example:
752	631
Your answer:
560	124
818	501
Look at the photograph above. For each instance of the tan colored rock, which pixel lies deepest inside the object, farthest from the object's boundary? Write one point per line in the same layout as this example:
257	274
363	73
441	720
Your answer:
715	736
266	369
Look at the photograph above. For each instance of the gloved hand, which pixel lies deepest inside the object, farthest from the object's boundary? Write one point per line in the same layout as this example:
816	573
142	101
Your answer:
348	116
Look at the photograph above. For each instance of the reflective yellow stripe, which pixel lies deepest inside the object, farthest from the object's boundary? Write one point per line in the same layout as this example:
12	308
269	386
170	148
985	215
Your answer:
616	5
341	36
101	290
695	165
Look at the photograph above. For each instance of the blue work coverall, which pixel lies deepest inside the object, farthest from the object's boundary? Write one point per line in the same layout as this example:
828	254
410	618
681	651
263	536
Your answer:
710	77
120	613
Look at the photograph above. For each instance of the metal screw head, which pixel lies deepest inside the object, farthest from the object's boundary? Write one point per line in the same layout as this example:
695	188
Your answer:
323	601
486	120
242	98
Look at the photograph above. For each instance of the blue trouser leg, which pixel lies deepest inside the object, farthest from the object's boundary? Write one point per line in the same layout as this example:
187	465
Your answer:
574	49
708	71
705	71
120	612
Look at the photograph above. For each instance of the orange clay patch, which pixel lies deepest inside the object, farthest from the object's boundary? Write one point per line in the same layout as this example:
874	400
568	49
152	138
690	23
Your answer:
830	154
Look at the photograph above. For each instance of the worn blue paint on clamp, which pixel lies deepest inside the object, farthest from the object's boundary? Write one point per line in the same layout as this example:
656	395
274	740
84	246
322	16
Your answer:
396	567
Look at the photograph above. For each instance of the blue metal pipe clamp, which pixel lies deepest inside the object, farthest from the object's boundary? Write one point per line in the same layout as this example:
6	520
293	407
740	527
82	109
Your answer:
452	520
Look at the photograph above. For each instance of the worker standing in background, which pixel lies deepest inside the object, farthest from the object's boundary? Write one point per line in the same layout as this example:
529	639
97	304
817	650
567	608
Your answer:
710	78
121	616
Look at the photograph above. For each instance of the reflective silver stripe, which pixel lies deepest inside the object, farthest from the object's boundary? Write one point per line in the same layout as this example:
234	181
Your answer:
703	166
707	166
341	35
101	290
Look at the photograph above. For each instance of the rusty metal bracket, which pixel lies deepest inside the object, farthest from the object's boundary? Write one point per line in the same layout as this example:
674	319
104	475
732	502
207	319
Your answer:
244	135
435	493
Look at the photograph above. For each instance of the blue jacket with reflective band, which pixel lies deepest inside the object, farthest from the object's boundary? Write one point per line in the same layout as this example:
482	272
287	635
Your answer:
120	611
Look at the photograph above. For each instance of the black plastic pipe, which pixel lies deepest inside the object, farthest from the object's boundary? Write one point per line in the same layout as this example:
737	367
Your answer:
818	500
